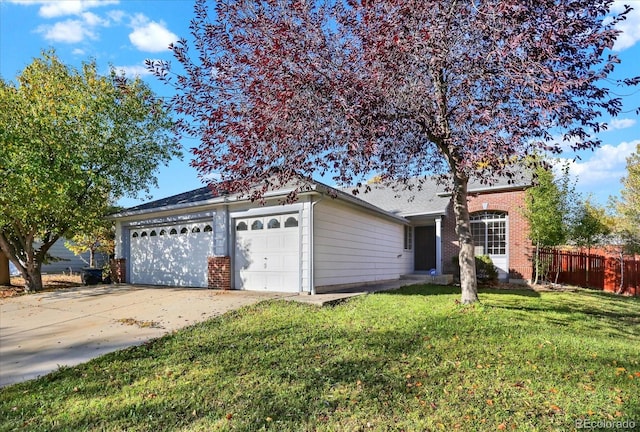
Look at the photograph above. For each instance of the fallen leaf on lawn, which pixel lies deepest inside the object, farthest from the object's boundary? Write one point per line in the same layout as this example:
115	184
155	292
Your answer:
490	402
229	416
553	390
502	426
555	408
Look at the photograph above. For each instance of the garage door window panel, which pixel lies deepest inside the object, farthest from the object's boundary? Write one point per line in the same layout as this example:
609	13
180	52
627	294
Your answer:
273	224
291	222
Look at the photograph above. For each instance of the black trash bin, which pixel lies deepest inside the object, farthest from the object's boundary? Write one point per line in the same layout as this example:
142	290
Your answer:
91	276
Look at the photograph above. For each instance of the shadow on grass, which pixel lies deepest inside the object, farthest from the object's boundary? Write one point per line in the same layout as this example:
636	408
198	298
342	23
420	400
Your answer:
431	290
328	369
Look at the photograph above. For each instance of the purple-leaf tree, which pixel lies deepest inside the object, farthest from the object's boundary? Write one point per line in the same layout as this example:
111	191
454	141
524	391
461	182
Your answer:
277	89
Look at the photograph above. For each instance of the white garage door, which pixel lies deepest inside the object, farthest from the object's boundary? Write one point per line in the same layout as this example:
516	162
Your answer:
174	255
267	253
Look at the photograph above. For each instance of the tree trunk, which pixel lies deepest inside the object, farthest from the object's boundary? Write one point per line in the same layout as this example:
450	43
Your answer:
26	258
537	264
92	257
468	281
33	279
5	278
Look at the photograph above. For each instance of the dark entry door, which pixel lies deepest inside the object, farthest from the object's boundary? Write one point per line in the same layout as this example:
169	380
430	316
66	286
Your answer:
425	248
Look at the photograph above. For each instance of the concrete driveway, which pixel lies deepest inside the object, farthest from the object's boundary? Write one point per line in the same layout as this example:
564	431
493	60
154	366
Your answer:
40	332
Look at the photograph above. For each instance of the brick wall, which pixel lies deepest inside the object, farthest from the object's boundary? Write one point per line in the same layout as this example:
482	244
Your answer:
219	273
118	270
520	250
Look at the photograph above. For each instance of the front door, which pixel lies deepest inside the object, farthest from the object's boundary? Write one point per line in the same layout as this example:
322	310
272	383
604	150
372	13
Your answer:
425	248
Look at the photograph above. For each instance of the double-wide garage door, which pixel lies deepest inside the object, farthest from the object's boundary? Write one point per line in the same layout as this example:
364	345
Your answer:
267	255
174	255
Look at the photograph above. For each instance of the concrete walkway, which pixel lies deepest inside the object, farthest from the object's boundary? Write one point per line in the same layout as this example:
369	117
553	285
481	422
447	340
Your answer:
40	332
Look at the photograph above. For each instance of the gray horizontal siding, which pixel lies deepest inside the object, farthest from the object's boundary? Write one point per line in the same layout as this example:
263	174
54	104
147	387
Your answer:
354	246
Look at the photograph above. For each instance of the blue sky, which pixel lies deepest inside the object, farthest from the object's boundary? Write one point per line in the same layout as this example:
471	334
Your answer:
124	33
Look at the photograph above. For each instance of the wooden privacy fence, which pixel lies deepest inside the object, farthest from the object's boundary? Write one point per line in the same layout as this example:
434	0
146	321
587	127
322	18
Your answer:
593	271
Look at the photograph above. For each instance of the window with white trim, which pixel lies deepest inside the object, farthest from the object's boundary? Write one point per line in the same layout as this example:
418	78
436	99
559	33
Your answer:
489	230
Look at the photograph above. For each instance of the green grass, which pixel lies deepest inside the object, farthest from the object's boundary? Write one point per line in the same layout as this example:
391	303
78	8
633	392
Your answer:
407	360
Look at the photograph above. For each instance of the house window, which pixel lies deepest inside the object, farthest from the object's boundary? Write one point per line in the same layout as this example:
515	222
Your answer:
489	230
163	232
208	228
273	223
242	226
135	234
173	231
291	222
195	230
408	237
144	234
153	233
184	231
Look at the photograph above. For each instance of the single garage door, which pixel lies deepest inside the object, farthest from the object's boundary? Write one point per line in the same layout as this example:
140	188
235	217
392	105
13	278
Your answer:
173	255
267	253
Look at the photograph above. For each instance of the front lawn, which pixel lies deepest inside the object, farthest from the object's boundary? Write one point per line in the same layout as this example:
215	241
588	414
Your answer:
402	361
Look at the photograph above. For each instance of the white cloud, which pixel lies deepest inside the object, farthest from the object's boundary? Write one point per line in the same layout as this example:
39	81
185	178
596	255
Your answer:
150	36
94	20
622	123
73	30
630	27
116	15
78	51
605	167
70	31
57	8
133	70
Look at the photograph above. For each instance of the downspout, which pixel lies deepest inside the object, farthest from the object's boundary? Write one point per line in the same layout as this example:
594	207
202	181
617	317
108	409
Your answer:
312	252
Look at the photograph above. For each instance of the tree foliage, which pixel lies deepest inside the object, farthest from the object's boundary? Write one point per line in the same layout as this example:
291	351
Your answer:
288	88
627	208
72	141
549	210
96	235
591	225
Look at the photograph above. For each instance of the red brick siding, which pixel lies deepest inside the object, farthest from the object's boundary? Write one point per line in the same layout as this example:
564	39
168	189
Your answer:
511	202
118	270
219	273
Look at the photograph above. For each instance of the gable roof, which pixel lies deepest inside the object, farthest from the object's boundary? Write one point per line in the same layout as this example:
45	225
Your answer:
427	196
190	197
420	197
205	196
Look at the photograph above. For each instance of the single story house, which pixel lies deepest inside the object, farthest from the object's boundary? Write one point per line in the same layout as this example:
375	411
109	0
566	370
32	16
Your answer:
326	240
64	261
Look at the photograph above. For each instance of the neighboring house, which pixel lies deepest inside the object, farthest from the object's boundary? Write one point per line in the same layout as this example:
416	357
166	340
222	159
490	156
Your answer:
326	240
66	261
